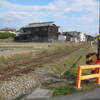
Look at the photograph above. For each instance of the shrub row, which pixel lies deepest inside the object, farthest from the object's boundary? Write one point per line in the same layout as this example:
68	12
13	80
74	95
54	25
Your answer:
5	35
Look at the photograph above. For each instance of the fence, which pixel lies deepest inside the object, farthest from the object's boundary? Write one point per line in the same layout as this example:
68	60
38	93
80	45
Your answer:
81	77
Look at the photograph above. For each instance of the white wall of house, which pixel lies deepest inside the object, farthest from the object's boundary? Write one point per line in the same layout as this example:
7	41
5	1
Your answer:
61	38
74	39
82	37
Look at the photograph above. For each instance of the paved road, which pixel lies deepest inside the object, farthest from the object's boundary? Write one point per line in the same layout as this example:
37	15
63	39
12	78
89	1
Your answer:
89	95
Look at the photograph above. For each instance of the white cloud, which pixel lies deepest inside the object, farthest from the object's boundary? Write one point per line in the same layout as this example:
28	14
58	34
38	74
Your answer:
19	19
19	15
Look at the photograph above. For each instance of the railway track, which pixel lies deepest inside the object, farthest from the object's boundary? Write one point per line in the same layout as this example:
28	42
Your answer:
26	66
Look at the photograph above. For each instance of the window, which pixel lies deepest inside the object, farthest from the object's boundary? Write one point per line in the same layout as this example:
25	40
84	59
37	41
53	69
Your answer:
28	31
37	29
44	29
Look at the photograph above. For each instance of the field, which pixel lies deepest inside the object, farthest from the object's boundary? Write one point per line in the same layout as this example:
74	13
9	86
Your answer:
22	50
39	64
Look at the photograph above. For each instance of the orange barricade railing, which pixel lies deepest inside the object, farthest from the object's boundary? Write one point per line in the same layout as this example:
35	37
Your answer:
81	77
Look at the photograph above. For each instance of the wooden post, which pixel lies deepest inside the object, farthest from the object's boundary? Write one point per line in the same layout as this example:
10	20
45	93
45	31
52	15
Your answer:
98	79
81	77
78	82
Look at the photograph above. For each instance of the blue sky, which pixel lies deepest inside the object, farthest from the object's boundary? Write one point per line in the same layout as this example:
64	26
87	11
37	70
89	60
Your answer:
31	2
80	15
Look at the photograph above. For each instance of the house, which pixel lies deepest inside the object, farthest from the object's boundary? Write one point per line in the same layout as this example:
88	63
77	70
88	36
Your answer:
10	30
75	36
83	37
90	38
38	32
61	37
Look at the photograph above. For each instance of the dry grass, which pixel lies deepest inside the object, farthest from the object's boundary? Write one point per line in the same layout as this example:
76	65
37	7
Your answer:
10	52
63	65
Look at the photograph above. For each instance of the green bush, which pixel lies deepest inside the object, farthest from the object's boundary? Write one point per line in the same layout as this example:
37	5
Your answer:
5	35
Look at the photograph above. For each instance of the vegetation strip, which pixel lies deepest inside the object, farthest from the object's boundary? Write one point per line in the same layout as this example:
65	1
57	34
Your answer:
29	67
69	88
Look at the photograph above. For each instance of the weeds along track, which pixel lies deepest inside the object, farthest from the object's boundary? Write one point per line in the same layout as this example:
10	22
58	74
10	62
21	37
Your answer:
28	65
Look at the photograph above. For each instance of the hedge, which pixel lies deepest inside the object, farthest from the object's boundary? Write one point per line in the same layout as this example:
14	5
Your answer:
5	35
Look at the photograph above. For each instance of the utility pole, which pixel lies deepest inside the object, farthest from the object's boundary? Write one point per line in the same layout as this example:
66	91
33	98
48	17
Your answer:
98	53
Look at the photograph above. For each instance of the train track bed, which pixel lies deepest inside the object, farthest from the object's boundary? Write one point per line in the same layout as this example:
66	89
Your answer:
29	65
22	77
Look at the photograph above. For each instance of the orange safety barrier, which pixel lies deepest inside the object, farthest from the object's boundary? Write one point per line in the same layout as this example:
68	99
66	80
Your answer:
81	77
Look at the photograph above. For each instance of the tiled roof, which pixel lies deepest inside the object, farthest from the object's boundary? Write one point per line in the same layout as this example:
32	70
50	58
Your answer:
39	24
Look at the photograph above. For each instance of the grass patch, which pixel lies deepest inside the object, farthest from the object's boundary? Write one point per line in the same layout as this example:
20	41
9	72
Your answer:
70	89
7	40
63	90
14	58
39	49
64	68
56	47
70	60
88	86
